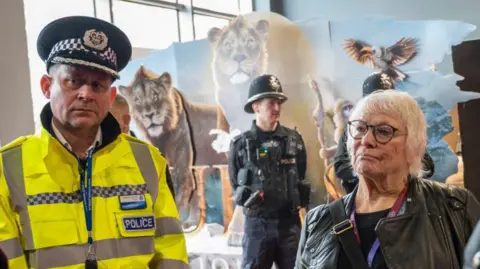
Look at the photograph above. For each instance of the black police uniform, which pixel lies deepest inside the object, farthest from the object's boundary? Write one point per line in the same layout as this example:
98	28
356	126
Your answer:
267	173
342	166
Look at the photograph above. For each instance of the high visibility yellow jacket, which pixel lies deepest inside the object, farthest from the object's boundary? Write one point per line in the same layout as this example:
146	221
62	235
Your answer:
42	220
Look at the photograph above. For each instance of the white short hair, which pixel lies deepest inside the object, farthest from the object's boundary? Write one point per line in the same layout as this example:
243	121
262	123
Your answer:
401	106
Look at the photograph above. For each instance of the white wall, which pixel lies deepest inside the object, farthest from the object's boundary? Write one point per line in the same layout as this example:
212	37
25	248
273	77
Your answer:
35	22
464	10
16	109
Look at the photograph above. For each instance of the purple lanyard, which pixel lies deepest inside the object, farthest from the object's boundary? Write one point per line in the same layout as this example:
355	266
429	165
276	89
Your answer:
392	213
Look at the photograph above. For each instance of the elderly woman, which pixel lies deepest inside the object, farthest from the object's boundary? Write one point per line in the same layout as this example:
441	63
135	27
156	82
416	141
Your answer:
393	218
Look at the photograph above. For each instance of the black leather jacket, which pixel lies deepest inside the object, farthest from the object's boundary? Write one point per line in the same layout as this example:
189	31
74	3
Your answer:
430	231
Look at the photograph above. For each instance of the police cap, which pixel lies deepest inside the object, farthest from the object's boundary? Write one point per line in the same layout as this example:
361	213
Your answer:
85	41
377	81
264	86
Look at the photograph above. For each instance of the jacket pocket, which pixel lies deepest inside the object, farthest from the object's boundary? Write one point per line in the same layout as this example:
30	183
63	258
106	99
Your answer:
136	223
53	233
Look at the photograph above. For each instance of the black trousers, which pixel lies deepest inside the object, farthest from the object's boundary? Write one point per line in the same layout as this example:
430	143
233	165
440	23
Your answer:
268	241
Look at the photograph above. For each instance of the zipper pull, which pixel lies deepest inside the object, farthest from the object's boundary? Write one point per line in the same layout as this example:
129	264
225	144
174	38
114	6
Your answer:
81	169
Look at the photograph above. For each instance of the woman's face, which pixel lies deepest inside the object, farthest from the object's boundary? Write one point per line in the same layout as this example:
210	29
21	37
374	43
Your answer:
380	156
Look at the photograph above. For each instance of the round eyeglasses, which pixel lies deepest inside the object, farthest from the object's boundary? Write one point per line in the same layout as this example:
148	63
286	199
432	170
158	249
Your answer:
382	133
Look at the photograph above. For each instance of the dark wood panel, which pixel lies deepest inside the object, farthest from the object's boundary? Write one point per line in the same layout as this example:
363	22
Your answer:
466	62
469	118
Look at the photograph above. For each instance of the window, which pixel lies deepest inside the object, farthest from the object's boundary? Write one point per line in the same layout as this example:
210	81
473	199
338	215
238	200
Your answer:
246	6
37	15
147	26
150	25
224	6
204	23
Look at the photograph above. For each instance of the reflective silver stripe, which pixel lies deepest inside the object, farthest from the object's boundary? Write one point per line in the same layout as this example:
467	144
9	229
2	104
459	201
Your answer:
144	160
168	225
105	249
12	248
75	197
13	172
171	264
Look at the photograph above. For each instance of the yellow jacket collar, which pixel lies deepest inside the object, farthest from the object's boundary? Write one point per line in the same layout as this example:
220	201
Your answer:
109	128
97	142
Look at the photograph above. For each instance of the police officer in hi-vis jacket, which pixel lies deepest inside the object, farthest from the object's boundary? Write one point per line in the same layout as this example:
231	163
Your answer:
81	194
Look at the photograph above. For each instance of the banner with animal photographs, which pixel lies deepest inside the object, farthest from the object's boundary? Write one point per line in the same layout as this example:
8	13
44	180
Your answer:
188	101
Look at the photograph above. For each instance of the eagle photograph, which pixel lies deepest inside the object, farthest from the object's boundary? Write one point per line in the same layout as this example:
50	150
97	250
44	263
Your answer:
383	59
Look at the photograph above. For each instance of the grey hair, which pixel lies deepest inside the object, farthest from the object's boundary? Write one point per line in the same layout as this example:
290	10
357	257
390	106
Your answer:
120	102
403	107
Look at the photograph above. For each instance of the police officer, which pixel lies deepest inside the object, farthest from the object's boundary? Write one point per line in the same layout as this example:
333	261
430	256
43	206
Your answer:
82	194
267	171
342	166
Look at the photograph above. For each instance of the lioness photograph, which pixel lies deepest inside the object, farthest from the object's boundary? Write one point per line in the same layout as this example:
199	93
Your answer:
180	130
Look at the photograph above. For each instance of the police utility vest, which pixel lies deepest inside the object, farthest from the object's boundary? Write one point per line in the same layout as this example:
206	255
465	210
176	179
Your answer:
270	160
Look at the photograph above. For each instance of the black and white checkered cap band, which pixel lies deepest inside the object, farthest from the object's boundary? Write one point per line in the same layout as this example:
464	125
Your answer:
76	44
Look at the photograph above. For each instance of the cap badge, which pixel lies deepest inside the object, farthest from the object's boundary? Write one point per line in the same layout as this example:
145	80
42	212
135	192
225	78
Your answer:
95	39
385	81
274	83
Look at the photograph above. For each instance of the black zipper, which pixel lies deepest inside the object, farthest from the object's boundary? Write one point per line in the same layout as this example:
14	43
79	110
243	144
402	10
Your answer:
82	166
447	242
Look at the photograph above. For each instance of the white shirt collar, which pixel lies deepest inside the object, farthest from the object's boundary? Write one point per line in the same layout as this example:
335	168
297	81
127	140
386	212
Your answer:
61	138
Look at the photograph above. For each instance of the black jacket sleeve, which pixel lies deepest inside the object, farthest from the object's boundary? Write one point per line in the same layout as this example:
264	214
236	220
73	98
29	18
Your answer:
234	163
342	165
170	182
428	165
3	260
301	158
301	244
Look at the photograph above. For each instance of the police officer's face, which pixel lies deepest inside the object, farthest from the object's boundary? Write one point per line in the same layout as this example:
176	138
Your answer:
79	97
268	109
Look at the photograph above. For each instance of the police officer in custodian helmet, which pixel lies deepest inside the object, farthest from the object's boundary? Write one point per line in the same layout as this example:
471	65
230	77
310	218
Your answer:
267	171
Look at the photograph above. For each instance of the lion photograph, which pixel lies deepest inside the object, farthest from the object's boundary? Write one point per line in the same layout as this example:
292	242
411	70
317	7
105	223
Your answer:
179	129
239	57
264	43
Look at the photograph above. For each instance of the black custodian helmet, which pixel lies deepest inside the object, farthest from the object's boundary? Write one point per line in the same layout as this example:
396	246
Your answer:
264	86
377	81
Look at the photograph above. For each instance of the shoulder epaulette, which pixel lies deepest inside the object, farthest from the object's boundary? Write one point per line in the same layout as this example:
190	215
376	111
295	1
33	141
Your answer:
134	139
137	140
237	138
15	143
